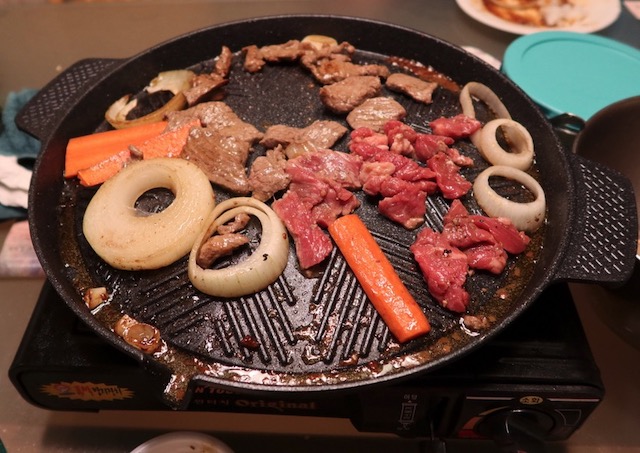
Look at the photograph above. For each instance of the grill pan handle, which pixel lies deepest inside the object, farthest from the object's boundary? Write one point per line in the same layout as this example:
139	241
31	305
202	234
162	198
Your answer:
604	233
50	105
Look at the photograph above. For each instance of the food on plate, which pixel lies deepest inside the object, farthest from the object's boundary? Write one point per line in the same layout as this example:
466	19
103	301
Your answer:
520	155
527	216
129	239
416	88
466	242
378	278
321	134
263	266
142	336
320	190
168	143
221	146
299	188
176	82
203	86
537	13
375	112
92	149
347	94
486	95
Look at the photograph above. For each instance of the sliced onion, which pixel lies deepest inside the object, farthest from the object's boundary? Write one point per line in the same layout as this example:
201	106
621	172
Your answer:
175	81
526	217
485	94
128	239
521	156
319	41
260	269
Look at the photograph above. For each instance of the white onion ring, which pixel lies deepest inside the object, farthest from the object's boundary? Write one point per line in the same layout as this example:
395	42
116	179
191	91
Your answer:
526	217
486	95
260	269
521	156
124	238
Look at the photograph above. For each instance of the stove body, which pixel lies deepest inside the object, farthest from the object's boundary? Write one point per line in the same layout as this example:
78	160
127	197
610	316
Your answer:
537	379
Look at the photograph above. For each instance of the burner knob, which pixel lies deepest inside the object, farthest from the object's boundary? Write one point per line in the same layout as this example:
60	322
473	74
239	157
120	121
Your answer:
517	430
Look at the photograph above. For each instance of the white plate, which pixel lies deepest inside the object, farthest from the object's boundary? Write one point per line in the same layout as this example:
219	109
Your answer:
183	442
599	14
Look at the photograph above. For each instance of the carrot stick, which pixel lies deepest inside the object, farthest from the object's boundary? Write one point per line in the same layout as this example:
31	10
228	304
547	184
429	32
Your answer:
88	150
167	144
100	172
378	278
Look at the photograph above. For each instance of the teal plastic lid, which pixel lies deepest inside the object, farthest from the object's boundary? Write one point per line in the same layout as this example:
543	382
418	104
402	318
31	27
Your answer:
568	72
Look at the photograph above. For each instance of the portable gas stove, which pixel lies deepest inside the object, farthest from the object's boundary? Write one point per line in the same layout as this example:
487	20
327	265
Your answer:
536	380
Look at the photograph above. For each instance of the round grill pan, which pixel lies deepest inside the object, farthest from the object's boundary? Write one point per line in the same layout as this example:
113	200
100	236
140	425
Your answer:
312	333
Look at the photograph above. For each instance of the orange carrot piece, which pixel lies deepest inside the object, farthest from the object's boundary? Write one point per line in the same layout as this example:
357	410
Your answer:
167	144
100	172
88	150
379	280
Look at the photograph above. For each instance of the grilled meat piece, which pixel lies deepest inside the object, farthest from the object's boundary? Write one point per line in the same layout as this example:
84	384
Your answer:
312	54
202	87
412	86
218	246
223	62
320	134
337	68
215	116
375	112
221	157
268	175
345	95
221	146
256	57
253	60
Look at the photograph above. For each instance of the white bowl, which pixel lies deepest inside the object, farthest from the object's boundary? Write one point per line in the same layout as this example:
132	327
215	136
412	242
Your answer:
183	442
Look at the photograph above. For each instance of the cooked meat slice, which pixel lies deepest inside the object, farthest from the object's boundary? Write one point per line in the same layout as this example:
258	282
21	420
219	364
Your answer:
288	51
218	246
223	62
238	223
412	86
253	59
375	112
256	57
312	53
202	86
268	175
344	96
320	134
221	157
216	116
330	166
339	67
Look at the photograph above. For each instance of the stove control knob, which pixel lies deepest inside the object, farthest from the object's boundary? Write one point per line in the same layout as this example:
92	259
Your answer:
517	429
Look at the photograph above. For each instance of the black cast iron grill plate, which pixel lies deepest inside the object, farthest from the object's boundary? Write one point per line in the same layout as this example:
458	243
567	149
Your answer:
300	324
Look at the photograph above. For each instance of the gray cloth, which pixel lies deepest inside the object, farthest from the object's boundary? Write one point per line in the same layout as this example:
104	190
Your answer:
14	142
